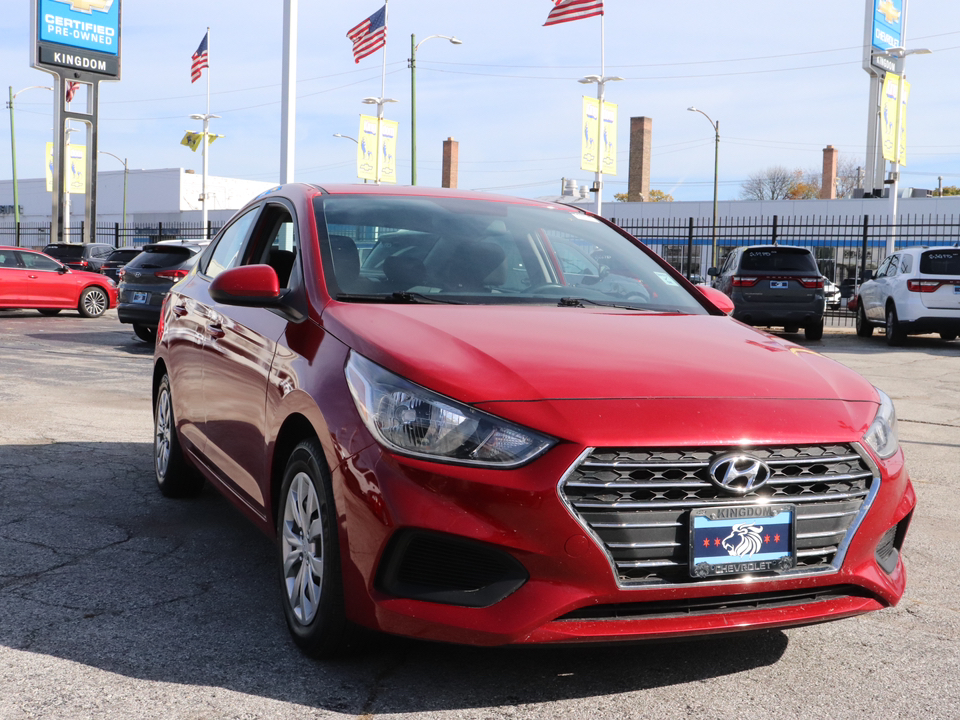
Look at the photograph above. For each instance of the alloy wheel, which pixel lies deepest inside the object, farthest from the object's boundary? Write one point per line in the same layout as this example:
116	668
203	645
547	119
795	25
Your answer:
95	302
302	548
163	433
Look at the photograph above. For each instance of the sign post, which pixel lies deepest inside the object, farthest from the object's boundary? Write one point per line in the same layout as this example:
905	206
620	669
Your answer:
884	26
78	42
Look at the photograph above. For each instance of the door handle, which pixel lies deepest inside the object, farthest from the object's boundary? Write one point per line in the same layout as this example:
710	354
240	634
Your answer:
215	330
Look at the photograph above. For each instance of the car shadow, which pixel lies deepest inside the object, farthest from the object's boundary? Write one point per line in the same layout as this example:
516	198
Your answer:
97	568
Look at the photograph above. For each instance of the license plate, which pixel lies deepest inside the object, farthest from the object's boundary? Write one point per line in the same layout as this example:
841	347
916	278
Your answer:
141	297
956	289
778	284
742	540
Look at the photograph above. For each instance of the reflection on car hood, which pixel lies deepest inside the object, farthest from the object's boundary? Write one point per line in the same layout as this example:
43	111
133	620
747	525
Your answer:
521	353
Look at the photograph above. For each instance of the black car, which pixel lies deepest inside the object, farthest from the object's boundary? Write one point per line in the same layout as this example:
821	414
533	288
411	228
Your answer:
774	285
116	260
80	256
145	280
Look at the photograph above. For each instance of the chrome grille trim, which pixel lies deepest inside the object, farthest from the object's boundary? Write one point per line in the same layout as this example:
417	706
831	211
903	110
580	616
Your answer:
662	561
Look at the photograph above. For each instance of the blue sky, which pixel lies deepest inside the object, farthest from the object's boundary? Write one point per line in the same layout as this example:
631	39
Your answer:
783	79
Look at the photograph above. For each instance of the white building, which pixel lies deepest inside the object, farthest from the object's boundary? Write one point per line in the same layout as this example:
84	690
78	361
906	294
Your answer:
166	195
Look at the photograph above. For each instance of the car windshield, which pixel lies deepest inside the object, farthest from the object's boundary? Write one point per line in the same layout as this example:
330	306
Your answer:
940	262
474	251
778	259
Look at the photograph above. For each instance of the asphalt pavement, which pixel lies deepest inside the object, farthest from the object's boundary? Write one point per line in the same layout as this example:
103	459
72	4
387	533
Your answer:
118	603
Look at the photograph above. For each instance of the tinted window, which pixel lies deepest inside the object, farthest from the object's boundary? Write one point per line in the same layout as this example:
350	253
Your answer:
154	256
64	252
122	256
778	259
940	262
39	262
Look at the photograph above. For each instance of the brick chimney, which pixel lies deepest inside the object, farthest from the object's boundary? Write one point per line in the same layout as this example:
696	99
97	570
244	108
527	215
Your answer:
451	163
828	185
641	141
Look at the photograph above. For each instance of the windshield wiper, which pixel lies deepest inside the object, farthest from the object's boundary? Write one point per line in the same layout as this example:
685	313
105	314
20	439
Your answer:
578	302
397	297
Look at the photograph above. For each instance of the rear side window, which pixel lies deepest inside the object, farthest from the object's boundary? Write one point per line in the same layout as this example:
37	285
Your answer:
780	259
940	262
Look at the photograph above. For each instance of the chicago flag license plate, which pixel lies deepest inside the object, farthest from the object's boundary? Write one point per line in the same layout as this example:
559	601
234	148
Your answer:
742	540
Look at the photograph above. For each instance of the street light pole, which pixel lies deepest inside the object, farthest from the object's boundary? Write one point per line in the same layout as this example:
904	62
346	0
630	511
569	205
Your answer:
206	117
716	175
379	102
124	161
601	81
13	155
413	97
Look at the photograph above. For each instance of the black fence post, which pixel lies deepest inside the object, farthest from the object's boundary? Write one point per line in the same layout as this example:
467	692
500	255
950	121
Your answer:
775	223
17	233
689	247
863	251
116	234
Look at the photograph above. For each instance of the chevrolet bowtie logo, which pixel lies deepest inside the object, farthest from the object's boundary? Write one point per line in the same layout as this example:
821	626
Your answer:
88	6
889	11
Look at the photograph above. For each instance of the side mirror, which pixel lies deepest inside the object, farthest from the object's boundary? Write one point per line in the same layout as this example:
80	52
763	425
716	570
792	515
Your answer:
713	272
63	270
719	299
252	286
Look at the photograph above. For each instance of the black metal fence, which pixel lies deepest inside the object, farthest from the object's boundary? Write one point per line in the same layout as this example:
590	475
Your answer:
843	246
36	235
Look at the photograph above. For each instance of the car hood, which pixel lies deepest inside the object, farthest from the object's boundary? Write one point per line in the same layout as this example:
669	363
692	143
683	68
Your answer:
490	353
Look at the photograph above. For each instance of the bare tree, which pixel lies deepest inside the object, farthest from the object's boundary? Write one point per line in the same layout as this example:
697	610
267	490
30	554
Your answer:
774	183
849	169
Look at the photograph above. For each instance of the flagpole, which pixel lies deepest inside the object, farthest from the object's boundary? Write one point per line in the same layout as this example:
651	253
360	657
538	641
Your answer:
600	119
206	125
383	85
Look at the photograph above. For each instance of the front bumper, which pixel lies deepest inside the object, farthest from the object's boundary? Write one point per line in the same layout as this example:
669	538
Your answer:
570	593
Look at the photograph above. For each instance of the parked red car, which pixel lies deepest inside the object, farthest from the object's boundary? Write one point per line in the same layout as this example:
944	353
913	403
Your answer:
31	279
452	439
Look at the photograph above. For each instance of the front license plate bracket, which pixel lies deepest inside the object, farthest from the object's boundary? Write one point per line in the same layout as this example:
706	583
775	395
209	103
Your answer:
742	540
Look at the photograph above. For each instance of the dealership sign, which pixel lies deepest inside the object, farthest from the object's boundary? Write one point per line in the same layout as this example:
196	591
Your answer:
885	23
80	35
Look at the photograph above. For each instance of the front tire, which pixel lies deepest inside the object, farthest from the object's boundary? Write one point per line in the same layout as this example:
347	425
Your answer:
94	302
175	476
814	331
895	332
864	328
309	556
948	336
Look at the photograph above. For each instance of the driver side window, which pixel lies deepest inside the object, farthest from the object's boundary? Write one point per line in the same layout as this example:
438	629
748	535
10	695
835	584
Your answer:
226	254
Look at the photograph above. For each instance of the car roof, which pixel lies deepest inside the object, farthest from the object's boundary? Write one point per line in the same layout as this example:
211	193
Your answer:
405	191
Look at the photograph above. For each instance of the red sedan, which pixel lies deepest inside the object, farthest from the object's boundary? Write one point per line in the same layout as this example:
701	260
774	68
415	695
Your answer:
30	279
455	434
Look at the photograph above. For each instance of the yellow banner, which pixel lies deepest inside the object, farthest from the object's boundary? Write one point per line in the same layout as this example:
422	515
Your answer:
75	181
377	150
598	140
893	124
193	139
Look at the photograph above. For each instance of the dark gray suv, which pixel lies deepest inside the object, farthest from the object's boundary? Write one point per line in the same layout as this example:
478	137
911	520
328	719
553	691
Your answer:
774	285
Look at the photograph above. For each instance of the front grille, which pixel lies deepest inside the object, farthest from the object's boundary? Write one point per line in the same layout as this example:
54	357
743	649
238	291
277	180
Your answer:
637	502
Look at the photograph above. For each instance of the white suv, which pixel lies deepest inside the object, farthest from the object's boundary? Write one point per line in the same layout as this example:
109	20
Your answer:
916	290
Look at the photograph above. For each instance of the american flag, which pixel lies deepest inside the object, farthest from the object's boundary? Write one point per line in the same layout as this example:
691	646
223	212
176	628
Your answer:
370	35
569	10
201	60
72	88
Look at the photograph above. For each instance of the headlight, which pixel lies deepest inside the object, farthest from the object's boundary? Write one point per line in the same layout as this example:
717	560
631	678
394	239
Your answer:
882	434
415	421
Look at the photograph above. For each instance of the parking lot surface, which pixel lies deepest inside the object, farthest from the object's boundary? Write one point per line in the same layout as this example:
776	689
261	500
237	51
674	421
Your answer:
116	602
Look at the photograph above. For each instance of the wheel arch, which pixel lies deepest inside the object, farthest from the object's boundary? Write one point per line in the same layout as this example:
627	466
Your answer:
295	429
159	370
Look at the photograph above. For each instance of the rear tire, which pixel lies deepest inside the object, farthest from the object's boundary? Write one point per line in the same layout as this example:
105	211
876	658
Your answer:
895	333
814	331
145	332
948	336
94	302
49	312
176	478
864	328
311	583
